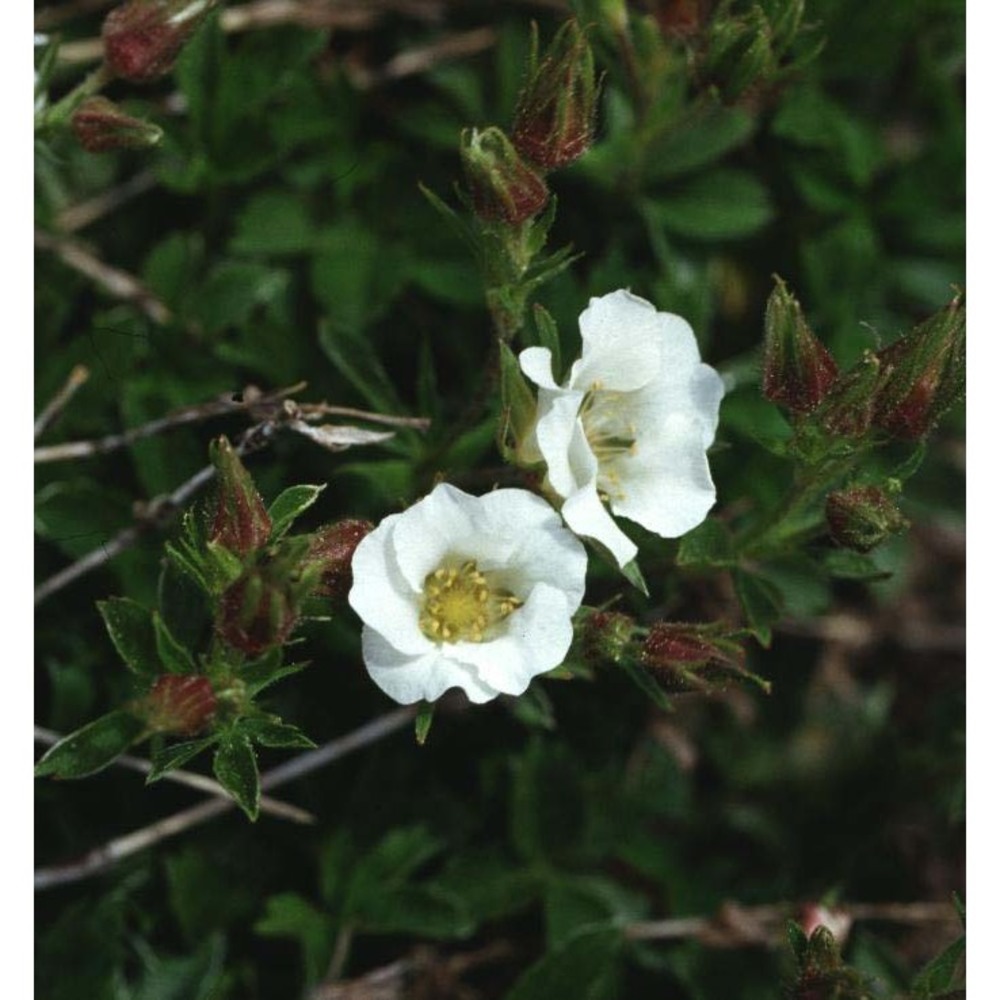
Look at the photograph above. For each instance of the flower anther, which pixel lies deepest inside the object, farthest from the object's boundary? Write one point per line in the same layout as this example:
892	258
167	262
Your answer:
629	427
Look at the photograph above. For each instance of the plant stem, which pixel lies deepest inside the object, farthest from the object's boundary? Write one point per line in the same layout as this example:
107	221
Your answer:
58	114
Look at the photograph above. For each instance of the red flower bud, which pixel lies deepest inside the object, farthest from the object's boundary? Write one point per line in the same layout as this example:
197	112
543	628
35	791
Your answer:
503	187
606	636
862	517
556	111
258	612
798	369
849	405
333	548
143	38
184	705
924	375
240	522
689	657
99	126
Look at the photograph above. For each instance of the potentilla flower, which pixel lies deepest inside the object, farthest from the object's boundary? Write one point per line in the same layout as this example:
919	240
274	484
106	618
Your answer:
630	426
469	592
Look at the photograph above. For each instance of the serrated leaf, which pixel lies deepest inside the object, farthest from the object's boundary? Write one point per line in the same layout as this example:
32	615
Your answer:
169	758
235	767
761	603
582	968
422	724
289	915
174	657
847	565
274	733
289	505
130	626
710	544
93	747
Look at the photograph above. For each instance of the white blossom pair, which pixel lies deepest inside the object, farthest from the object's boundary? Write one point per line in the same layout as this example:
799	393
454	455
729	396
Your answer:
479	592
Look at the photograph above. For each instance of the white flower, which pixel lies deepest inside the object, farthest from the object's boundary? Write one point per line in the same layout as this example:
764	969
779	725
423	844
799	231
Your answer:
469	592
630	426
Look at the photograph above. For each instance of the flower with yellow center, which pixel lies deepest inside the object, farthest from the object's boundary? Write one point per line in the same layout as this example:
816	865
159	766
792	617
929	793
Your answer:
469	592
629	428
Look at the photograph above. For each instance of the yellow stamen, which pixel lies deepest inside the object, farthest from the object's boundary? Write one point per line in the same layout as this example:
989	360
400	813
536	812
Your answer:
461	605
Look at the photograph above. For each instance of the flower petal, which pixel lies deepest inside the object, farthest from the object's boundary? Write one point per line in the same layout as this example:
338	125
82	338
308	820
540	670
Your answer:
623	341
536	639
556	428
586	515
671	491
381	596
536	363
408	679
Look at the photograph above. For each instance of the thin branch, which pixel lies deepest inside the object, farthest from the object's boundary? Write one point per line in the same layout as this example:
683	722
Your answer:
102	858
201	782
158	511
178	418
735	926
77	217
56	14
118	283
77	377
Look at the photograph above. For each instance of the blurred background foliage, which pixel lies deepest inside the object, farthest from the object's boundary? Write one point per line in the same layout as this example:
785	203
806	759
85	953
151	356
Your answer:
280	235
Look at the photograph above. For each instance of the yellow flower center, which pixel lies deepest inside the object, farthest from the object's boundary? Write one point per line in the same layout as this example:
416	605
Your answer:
610	436
460	605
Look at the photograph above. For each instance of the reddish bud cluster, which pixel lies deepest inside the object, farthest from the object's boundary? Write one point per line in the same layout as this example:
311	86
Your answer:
556	111
183	705
99	126
240	521
503	187
862	517
258	612
143	38
607	636
333	548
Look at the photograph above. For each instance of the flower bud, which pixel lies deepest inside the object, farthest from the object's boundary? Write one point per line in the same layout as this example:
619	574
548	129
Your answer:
503	187
680	18
671	645
240	522
333	549
555	115
798	369
862	517
142	38
258	612
184	705
100	125
606	636
848	407
924	374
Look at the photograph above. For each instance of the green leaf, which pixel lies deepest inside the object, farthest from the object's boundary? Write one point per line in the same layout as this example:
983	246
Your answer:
644	681
847	565
289	915
710	133
168	758
937	975
130	626
761	603
723	204
547	333
534	708
911	464
266	670
422	725
235	767
357	361
798	941
517	399
633	574
93	747
273	223
274	733
175	658
584	968
575	902
710	544
289	505
233	289
424	910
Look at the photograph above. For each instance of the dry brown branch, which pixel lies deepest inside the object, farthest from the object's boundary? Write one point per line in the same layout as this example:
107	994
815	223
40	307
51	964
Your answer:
77	217
55	14
106	856
273	807
116	282
77	377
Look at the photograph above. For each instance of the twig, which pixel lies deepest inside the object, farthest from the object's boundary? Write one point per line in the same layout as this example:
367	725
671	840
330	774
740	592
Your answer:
59	401
178	418
736	925
118	283
158	511
76	217
199	781
56	14
106	856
